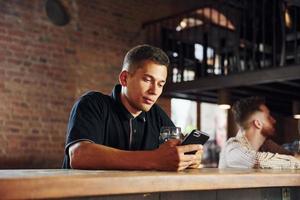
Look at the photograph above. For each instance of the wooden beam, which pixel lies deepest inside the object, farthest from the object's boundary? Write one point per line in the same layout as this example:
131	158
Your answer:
290	83
252	92
276	90
279	74
194	97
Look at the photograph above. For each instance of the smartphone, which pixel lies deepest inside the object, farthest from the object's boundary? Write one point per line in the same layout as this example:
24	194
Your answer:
195	137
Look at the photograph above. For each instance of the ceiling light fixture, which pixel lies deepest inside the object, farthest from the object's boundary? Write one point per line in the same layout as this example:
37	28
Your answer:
296	109
224	99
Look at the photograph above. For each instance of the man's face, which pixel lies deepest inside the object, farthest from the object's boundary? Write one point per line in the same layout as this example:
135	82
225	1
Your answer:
268	122
145	85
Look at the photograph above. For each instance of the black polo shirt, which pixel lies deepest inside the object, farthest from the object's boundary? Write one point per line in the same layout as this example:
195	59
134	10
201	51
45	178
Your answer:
103	119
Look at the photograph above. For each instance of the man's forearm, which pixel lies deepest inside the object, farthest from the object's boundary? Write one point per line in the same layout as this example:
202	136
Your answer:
86	155
169	156
277	161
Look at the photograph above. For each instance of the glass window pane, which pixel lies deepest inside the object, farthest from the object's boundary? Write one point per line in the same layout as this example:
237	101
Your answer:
213	121
184	114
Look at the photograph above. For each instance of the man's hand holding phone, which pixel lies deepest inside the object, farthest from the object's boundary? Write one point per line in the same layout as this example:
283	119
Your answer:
196	137
176	154
173	156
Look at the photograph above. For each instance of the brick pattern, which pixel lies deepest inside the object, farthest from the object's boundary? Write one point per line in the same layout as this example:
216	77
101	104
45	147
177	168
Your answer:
35	87
44	68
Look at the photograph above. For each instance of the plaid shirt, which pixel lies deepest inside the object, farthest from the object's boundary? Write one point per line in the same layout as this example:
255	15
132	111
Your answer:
238	153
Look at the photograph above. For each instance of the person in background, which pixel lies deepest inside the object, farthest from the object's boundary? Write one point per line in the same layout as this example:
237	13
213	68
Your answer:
252	148
121	131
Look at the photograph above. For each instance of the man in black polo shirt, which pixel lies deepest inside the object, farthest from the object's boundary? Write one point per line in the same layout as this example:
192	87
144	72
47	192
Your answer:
121	131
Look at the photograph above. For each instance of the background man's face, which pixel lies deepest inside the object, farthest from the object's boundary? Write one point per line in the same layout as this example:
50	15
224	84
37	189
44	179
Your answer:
145	85
268	122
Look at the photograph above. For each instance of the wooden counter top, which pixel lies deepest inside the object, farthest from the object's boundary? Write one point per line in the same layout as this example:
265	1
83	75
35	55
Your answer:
56	183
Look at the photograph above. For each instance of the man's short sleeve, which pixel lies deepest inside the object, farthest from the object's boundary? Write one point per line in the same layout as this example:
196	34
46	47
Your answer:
86	120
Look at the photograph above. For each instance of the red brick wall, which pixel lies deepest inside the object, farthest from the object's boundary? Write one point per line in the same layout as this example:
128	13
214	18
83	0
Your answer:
44	68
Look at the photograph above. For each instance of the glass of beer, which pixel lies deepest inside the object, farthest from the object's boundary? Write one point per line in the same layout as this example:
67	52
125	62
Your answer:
168	132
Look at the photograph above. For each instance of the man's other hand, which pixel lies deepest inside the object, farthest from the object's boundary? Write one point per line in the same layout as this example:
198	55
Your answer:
171	157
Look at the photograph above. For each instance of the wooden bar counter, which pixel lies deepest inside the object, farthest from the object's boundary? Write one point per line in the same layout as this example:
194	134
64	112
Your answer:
189	184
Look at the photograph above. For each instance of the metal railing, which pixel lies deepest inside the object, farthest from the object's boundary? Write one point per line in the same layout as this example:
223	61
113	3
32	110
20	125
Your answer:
227	37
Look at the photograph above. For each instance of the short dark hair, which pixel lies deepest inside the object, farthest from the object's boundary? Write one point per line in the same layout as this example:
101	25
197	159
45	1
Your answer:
141	53
244	108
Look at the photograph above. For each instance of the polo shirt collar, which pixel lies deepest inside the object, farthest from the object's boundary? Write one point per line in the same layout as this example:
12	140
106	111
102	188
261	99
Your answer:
116	97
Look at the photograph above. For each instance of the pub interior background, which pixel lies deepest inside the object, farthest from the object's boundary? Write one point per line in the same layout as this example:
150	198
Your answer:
52	51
